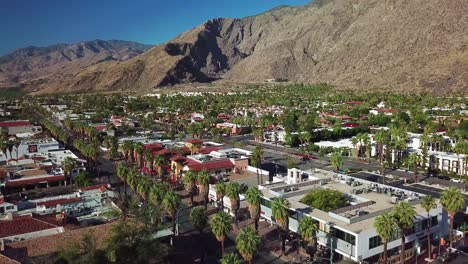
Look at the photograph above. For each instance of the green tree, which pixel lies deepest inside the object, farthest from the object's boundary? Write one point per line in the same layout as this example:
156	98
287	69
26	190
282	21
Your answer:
452	200
279	208
220	189
171	202
68	165
413	161
199	218
232	192
230	258
204	181
221	225
382	137
248	242
257	161
428	203
254	197
405	215
308	230
385	225
189	181
83	179
325	199
337	160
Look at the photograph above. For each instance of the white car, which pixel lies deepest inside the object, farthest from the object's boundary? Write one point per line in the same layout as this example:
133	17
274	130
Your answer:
457	180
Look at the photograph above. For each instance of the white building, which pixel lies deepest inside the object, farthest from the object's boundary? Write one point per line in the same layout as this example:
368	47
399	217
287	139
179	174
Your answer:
30	147
349	230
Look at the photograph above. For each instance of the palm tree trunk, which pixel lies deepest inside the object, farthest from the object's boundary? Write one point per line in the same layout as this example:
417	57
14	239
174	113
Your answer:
402	254
385	252
429	240
452	216
256	224
173	223
222	247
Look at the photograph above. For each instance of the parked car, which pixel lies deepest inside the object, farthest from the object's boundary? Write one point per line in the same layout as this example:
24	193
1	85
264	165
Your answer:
447	178
457	180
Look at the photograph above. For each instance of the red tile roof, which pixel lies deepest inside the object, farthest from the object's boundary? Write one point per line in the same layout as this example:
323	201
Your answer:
178	158
349	124
17	183
6	260
101	187
208	150
59	201
154	146
384	110
195	141
22	225
2	199
211	165
14	123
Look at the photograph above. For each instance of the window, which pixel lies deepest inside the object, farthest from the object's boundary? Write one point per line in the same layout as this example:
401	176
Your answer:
265	202
345	236
375	242
10	207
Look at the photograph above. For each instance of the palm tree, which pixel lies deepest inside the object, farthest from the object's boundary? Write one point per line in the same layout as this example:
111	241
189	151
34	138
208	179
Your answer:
221	225
122	173
257	161
382	137
308	230
413	161
279	210
385	226
144	187
428	203
404	214
199	218
140	150
157	193
160	161
337	160
248	242
189	181
127	145
149	157
254	197
232	191
170	203
220	189
204	181
355	142
452	200
230	258
68	166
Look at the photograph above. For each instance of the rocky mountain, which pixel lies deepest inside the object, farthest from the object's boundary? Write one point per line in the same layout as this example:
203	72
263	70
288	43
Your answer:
34	66
362	44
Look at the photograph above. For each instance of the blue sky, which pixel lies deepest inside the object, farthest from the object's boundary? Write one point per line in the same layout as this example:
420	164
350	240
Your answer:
45	22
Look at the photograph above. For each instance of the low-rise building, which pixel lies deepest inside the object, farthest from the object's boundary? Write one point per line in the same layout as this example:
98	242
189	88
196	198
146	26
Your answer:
349	230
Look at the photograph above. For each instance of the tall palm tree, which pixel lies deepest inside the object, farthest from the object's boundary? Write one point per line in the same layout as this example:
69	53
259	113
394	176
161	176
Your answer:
149	158
170	203
199	218
279	208
189	181
385	226
413	161
140	150
405	215
355	142
248	242
144	187
232	192
68	166
452	200
428	203
308	230
257	161
254	197
204	181
220	189
126	146
230	258
221	225
160	161
382	137
122	173
157	193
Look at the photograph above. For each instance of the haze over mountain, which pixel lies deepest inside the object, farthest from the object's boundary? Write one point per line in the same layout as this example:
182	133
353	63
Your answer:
361	44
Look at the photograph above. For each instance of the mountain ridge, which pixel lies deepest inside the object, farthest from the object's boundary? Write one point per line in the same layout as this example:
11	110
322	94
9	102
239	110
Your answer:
418	45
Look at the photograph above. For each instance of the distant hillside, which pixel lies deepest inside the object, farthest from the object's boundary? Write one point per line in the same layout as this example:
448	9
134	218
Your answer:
360	44
39	65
